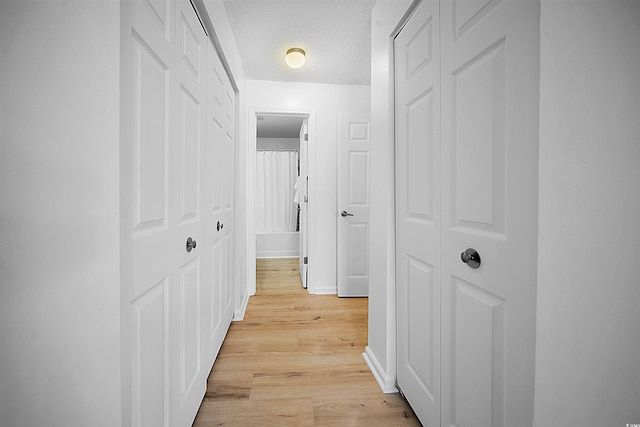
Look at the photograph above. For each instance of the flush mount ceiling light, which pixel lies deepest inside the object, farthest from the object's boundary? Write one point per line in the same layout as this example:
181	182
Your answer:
295	57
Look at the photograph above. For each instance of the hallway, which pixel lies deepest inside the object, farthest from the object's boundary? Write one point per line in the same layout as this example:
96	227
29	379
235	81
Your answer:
296	359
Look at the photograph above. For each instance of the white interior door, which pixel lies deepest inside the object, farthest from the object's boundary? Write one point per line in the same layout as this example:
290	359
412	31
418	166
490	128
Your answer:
466	330
212	295
353	204
176	298
490	103
227	226
218	159
148	183
303	196
418	221
187	366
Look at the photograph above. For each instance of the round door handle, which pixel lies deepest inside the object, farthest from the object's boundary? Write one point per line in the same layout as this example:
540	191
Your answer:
191	244
471	257
219	226
345	214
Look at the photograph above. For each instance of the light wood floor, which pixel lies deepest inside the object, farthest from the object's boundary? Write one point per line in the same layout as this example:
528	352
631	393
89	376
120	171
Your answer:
296	360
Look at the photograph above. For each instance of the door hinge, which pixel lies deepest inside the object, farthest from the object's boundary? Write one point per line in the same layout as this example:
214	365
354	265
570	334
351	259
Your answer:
306	136
305	260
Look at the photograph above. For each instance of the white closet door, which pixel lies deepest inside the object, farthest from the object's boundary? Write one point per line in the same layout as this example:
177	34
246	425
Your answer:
219	162
228	207
189	372
418	220
490	97
176	297
466	176
222	141
148	247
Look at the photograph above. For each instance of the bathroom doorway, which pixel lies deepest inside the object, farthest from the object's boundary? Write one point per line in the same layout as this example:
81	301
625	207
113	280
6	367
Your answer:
280	218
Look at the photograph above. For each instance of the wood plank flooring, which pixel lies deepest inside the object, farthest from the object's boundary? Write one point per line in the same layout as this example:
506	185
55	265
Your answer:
296	360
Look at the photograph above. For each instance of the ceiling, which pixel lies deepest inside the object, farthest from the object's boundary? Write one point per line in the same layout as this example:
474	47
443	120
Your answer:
335	34
278	126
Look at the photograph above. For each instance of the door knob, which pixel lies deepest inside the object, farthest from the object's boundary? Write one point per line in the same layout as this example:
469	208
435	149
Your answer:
345	213
219	226
471	257
191	244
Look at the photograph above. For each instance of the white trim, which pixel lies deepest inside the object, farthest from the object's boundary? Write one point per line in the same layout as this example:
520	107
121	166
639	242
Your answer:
392	319
324	289
276	255
310	114
386	382
238	314
382	289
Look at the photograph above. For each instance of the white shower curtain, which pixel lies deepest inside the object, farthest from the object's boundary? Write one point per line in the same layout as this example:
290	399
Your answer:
276	174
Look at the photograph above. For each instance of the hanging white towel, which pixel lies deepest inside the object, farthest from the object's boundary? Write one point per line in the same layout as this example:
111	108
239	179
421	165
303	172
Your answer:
296	196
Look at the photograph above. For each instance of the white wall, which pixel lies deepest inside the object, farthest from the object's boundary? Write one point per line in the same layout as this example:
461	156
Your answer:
380	353
326	101
588	330
59	258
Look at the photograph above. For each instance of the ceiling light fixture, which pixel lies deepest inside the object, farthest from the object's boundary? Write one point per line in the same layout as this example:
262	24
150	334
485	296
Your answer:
295	57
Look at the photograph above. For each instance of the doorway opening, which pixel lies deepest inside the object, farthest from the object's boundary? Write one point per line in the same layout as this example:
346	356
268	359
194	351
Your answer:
277	186
279	218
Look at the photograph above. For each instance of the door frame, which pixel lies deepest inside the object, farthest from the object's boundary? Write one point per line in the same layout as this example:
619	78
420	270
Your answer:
381	357
252	140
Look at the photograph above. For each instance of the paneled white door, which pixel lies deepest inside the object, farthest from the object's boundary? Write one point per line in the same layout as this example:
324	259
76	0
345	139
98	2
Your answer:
219	160
148	184
418	221
227	227
353	204
188	369
176	184
490	103
472	347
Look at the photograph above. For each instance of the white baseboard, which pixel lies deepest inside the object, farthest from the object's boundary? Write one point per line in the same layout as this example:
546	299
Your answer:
386	382
324	290
238	314
277	254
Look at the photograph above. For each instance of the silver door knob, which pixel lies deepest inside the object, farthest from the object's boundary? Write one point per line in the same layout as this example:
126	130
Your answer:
471	257
345	213
191	244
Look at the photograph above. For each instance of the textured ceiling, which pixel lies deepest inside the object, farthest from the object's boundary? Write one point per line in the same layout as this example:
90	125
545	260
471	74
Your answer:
335	34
